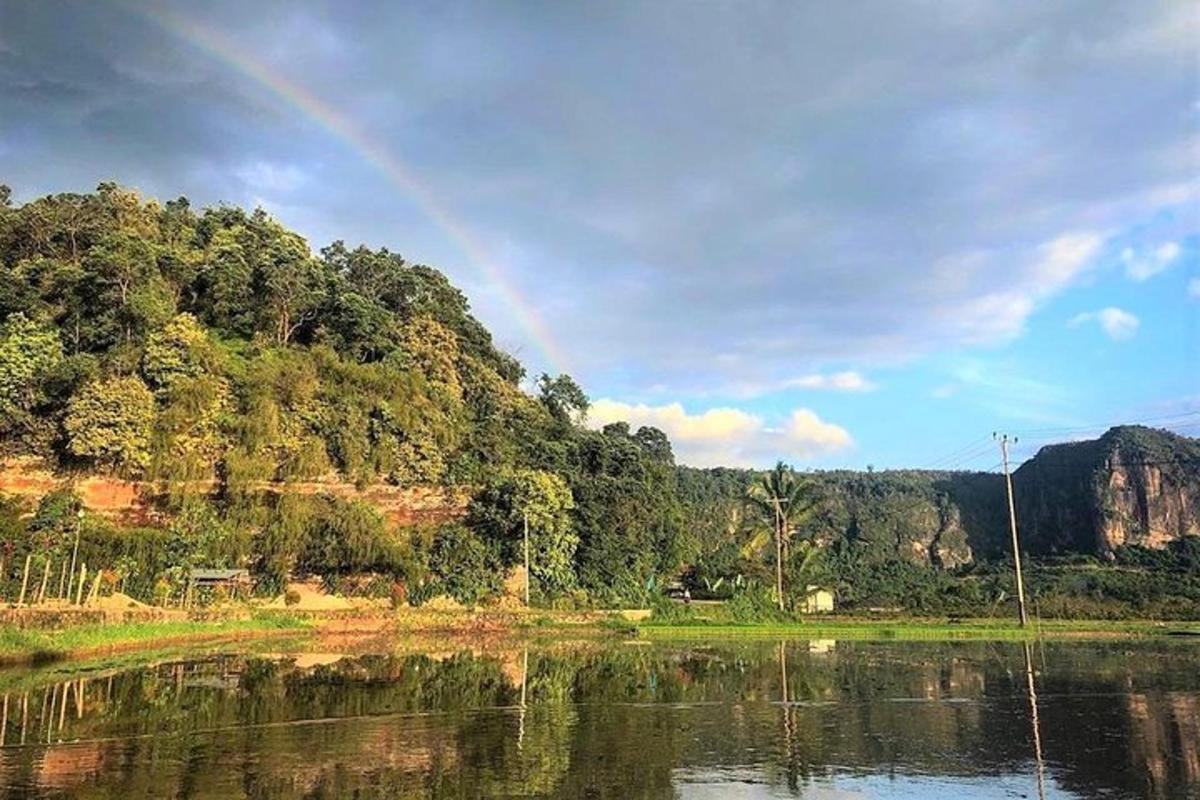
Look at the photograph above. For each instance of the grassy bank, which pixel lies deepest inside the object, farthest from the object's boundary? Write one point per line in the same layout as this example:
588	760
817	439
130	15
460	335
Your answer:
24	646
31	646
918	629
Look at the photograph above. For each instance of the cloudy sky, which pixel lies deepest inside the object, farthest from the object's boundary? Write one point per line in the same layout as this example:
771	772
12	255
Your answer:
838	233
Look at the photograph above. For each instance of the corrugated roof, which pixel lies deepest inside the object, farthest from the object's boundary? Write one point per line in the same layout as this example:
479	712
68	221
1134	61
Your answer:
220	574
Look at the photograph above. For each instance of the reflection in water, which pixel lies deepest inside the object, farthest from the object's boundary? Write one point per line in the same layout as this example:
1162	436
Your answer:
521	714
1035	725
611	719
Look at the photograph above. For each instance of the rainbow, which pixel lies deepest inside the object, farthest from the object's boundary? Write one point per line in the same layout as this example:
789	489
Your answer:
218	46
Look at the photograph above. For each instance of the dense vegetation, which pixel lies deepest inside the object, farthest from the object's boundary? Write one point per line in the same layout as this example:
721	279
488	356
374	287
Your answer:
926	542
160	343
213	354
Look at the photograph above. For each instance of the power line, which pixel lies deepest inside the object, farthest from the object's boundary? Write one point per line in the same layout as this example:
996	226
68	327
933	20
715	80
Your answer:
949	457
1106	425
975	449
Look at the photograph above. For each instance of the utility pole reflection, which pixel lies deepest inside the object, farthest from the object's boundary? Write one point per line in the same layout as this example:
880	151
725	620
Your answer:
789	722
1034	722
521	712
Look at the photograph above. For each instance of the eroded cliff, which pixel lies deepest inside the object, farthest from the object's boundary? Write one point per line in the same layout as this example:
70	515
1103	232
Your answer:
1132	486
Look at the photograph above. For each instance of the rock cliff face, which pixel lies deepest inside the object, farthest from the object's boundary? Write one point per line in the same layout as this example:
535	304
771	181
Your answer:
1132	486
138	502
941	519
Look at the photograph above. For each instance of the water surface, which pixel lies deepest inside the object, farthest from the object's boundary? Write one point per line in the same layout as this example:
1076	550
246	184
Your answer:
614	719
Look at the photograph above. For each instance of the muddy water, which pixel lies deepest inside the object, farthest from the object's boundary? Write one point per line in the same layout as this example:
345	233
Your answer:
612	719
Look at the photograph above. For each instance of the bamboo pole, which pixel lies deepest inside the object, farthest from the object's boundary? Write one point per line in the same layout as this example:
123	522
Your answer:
45	577
62	581
4	720
82	580
95	592
45	697
24	582
53	705
74	556
62	710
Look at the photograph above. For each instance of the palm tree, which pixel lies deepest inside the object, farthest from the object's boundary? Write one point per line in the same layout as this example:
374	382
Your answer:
777	502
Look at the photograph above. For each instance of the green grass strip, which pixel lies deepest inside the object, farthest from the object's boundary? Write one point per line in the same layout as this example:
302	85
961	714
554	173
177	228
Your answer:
921	629
31	645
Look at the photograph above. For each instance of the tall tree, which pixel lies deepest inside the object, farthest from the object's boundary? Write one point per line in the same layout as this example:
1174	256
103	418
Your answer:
778	502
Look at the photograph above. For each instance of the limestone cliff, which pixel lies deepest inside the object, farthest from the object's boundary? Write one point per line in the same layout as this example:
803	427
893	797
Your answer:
942	519
1132	486
140	502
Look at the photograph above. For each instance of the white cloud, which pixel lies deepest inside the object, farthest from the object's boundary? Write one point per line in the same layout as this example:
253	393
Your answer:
807	433
1117	323
999	316
714	424
1140	266
849	381
1004	390
265	176
728	436
1193	288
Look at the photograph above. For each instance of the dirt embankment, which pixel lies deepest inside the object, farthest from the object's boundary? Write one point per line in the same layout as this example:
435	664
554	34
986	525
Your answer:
138	502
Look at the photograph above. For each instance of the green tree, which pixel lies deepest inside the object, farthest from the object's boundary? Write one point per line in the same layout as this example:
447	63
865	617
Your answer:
777	503
500	510
467	567
289	281
28	352
110	422
180	349
562	397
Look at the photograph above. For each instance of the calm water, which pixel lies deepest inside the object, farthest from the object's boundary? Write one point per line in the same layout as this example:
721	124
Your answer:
619	720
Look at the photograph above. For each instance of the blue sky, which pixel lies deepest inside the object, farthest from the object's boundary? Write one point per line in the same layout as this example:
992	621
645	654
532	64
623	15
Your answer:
838	234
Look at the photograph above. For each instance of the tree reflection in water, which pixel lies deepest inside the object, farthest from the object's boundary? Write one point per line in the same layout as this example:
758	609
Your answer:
614	719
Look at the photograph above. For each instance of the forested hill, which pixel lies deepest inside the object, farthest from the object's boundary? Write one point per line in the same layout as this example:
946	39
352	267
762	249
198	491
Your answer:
162	343
152	340
1132	486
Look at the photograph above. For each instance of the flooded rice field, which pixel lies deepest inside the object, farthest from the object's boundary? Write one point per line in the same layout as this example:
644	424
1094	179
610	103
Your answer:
617	719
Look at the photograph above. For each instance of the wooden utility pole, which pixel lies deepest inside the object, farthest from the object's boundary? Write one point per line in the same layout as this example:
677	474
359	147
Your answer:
528	577
1012	524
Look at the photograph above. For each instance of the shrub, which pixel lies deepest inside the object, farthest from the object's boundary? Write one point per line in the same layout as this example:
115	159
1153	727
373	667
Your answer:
753	602
466	567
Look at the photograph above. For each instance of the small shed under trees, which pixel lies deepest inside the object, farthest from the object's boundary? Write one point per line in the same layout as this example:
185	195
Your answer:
235	581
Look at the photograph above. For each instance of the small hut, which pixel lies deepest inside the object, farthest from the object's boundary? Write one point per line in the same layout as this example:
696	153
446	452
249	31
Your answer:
235	581
817	600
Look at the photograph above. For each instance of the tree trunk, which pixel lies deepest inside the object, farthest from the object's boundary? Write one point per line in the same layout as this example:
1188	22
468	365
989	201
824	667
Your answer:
779	555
